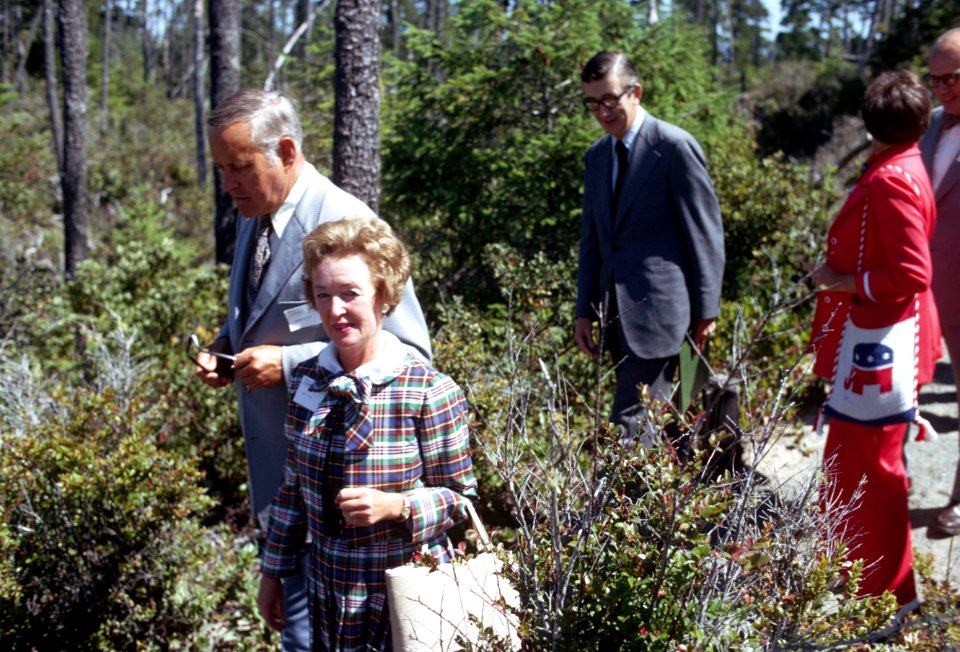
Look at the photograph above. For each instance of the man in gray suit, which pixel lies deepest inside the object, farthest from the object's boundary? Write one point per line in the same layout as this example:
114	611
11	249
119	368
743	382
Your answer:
651	241
940	146
255	141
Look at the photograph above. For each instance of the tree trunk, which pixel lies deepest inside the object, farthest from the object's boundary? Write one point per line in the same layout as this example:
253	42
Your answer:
23	51
396	25
224	81
73	53
50	73
198	96
145	39
302	16
105	65
5	43
356	126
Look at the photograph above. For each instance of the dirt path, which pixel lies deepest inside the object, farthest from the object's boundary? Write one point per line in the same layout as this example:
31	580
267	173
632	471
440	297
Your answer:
932	466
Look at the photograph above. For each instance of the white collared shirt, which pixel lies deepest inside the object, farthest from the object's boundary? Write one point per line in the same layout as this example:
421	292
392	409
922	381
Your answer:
628	139
946	154
281	217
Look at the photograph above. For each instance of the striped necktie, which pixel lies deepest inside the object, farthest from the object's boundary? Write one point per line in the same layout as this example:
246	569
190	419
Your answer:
260	259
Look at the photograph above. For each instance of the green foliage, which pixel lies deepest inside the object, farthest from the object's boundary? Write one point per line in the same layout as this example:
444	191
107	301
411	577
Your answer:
774	215
146	287
96	528
798	103
621	547
910	36
28	179
484	134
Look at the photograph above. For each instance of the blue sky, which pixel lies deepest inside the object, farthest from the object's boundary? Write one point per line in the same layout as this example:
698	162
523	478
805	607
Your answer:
773	8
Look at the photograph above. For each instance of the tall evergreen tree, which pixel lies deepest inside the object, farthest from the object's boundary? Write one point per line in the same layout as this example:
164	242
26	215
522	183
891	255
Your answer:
224	81
73	55
356	135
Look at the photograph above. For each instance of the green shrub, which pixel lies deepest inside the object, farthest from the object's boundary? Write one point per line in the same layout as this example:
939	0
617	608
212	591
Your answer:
624	548
146	286
97	526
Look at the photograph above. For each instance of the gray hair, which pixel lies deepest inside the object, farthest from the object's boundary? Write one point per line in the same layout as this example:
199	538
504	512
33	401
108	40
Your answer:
272	116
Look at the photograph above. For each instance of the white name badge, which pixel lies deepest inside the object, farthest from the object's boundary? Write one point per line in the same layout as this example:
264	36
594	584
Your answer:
303	316
308	398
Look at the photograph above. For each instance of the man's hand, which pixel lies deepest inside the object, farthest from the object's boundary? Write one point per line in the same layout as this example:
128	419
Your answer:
702	331
366	506
206	369
270	602
259	367
583	335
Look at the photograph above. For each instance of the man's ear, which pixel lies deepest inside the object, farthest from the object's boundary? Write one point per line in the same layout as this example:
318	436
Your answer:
288	151
638	91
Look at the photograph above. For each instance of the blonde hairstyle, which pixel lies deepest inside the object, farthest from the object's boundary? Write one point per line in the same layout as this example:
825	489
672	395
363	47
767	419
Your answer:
368	237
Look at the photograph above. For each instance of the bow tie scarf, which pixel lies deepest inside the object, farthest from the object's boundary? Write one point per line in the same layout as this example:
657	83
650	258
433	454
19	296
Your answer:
354	394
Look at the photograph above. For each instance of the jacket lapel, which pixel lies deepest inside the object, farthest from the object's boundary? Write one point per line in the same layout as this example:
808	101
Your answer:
643	159
601	168
246	229
949	181
284	261
928	142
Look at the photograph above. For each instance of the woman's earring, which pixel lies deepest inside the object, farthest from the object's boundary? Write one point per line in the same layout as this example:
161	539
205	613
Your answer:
385	309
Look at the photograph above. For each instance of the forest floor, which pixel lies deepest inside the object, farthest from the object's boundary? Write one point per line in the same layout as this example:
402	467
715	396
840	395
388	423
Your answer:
798	453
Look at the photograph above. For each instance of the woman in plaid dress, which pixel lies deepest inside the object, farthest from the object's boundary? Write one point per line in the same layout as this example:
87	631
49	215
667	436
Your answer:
377	465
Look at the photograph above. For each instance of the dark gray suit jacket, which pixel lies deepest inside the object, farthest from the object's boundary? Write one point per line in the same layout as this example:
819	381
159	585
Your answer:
271	321
663	254
946	238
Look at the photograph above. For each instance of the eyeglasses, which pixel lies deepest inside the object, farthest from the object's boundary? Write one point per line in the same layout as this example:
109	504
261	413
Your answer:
607	101
950	79
224	360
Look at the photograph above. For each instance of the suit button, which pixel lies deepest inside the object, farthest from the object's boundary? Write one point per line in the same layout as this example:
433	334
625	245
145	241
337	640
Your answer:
827	299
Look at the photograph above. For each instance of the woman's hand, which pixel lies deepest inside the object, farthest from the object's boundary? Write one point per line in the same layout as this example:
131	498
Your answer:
366	506
827	278
270	602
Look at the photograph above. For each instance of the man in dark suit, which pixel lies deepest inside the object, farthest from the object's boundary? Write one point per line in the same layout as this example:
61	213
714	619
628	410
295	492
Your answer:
255	141
940	146
651	241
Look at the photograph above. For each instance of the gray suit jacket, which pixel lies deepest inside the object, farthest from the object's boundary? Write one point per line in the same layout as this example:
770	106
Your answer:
663	253
262	412
946	238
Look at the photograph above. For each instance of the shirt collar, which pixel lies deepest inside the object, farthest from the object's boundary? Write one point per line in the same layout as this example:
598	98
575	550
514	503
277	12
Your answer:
383	367
281	217
631	136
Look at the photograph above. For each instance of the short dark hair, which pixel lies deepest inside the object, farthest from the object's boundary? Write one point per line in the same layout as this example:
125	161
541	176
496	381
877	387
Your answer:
896	108
603	64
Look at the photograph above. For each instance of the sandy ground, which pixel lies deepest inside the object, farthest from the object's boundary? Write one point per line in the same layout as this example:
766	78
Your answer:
798	454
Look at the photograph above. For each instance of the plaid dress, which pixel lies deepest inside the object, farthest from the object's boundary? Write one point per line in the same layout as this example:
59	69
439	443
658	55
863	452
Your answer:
396	425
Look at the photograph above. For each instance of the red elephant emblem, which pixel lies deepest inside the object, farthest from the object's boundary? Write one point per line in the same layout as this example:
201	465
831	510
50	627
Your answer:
872	365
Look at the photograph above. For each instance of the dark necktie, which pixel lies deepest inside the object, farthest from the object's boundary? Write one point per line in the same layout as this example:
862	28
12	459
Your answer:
260	259
949	120
622	164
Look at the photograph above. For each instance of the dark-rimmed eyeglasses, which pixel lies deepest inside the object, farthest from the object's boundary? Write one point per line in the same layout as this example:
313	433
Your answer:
607	101
949	79
224	360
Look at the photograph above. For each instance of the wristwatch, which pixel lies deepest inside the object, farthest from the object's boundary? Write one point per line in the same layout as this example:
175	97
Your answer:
405	511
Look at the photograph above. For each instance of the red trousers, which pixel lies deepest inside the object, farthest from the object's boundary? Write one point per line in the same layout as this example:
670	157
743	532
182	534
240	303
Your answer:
878	528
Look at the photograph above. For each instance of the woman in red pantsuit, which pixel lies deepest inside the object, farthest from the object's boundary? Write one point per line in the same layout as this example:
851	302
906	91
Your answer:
891	213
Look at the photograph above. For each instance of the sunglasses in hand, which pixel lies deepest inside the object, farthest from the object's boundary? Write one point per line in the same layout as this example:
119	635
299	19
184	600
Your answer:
224	360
